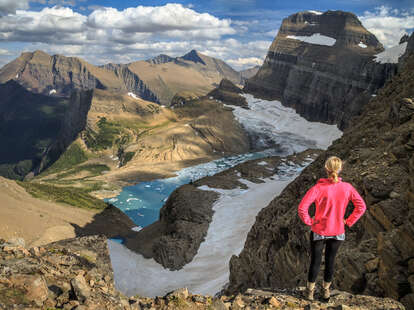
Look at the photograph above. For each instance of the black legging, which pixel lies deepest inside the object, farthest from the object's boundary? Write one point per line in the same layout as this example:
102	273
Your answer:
332	246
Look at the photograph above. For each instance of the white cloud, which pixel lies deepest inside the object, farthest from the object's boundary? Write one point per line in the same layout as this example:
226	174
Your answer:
388	24
10	6
171	17
4	52
110	35
245	62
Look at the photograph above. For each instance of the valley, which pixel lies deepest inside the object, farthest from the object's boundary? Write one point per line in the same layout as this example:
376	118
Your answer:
148	177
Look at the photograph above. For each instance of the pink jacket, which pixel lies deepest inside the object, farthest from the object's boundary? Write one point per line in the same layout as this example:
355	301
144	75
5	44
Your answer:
331	200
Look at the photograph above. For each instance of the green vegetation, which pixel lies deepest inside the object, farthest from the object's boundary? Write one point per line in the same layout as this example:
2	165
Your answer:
74	155
104	137
78	197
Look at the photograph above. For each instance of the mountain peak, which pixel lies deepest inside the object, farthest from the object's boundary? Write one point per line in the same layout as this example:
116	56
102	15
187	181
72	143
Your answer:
194	56
161	59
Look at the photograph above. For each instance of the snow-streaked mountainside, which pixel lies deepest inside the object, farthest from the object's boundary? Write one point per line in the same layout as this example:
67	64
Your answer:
235	213
391	54
315	38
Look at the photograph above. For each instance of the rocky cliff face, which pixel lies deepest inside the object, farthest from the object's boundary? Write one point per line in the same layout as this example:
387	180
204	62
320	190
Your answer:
377	256
74	121
29	124
193	72
330	77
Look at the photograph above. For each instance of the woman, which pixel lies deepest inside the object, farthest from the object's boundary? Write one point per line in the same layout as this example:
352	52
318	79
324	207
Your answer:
331	197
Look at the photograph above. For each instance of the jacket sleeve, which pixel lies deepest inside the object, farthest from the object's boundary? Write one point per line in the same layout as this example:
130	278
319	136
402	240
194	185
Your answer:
303	208
359	208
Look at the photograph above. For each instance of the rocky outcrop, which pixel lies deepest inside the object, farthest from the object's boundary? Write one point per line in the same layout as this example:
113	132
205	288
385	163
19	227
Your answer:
249	73
377	256
77	274
329	80
175	238
229	93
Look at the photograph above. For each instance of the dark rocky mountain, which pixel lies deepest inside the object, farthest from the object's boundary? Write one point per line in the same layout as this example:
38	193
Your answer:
323	82
377	256
29	124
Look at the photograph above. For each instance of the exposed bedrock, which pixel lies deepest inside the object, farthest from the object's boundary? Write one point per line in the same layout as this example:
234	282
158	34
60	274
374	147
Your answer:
377	257
323	83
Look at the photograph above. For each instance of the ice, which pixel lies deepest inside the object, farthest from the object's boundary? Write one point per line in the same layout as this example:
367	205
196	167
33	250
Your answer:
53	91
113	200
360	44
136	228
315	38
262	163
132	95
392	54
284	126
132	199
208	272
17	76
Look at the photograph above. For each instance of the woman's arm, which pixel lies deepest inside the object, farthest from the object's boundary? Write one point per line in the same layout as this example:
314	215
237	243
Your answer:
359	208
303	208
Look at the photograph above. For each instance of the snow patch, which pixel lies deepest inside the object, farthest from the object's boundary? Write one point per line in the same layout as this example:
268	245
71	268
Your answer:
360	44
315	12
262	163
392	54
17	76
136	228
315	38
53	91
132	95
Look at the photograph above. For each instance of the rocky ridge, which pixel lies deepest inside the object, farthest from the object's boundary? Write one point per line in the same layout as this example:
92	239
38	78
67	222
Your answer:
377	257
327	83
77	274
58	75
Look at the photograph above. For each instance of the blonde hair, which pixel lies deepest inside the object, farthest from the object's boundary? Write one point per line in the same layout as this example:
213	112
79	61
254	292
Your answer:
333	166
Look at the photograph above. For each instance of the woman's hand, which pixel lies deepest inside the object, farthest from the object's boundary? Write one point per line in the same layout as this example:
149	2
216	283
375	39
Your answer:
345	221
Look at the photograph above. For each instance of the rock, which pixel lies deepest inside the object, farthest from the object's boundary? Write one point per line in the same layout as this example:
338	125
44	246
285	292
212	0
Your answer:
179	293
372	264
274	302
217	304
80	288
34	287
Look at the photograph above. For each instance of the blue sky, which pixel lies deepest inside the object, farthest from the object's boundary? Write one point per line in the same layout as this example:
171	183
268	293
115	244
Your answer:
237	31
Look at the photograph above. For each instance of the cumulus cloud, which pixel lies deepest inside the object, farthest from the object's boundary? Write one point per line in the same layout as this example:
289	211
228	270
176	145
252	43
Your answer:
388	24
171	17
245	62
4	52
48	25
10	6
